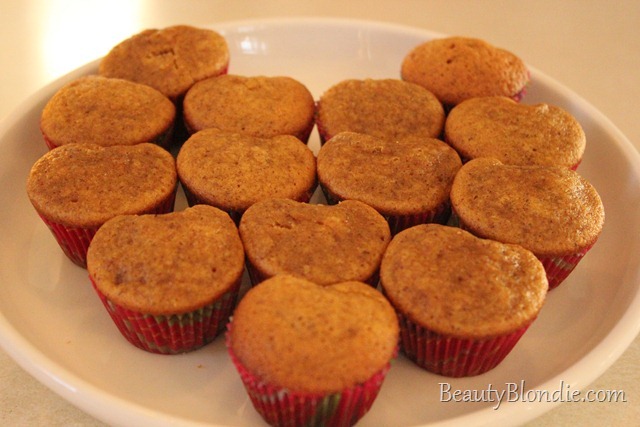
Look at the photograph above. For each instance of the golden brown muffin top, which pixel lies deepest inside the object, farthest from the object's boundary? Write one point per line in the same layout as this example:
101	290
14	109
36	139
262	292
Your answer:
255	105
447	280
83	185
515	133
321	243
459	68
171	59
386	108
548	210
166	264
233	171
105	111
296	334
396	177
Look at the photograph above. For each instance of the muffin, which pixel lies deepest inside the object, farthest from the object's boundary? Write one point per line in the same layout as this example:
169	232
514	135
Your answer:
233	171
309	354
76	188
105	111
254	105
169	282
552	211
170	60
407	180
462	302
324	244
385	108
459	68
515	133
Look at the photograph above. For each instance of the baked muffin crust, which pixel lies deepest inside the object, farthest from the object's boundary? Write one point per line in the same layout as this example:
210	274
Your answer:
395	176
83	185
233	171
514	133
260	106
170	59
105	111
385	108
551	211
324	244
459	68
453	283
166	264
310	338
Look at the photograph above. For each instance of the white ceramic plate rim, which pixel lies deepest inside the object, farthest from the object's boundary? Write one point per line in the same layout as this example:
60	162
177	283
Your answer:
115	410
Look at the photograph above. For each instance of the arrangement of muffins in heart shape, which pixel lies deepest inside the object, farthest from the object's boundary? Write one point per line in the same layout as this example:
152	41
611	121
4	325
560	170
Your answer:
450	210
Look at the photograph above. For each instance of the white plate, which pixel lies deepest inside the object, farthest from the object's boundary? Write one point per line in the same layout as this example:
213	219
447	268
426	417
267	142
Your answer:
53	325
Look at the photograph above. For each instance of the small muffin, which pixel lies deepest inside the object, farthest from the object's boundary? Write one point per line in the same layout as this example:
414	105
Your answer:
385	108
258	106
552	211
324	244
515	133
105	111
233	171
463	302
170	60
407	180
312	355
459	68
76	188
169	282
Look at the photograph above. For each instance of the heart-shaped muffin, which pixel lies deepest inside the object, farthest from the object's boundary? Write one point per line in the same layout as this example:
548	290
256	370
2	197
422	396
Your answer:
326	348
515	133
232	171
463	302
552	211
76	188
407	180
169	282
263	106
459	68
322	243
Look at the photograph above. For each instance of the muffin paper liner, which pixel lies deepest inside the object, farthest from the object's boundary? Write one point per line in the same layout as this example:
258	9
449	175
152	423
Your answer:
281	407
174	333
557	268
397	223
450	356
75	241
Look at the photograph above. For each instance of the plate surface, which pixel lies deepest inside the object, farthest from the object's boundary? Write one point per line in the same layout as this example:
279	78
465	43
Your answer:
54	326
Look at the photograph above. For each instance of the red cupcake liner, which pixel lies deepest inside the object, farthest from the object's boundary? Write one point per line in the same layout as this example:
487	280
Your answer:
282	407
450	356
193	199
440	214
75	241
174	333
558	268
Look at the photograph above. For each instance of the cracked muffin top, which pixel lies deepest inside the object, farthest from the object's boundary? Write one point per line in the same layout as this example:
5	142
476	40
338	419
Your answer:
170	60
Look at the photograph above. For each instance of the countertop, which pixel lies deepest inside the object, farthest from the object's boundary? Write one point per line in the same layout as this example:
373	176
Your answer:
591	46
